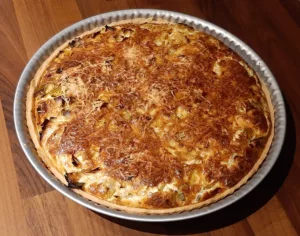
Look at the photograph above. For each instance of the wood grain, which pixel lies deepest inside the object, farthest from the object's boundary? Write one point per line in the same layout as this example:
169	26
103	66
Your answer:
66	218
90	8
11	210
39	20
37	210
29	206
13	59
271	220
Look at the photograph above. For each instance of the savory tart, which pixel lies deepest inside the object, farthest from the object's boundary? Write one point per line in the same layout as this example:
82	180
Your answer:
149	116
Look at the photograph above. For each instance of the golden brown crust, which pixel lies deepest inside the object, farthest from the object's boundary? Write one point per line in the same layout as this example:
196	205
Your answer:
156	202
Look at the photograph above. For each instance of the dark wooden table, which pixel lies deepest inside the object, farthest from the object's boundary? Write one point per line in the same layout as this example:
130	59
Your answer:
29	206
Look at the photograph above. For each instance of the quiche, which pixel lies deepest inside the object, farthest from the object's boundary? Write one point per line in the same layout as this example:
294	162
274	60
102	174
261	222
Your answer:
149	116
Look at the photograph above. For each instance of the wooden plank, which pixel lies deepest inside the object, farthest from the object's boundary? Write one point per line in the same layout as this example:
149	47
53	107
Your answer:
13	59
243	228
271	220
289	196
293	8
240	228
40	20
48	214
53	214
228	231
91	7
12	54
12	221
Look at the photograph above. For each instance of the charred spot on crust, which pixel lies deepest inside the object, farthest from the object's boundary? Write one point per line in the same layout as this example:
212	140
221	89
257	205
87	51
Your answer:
75	42
186	26
94	35
44	126
187	39
124	39
75	185
72	43
72	100
60	52
130	177
72	184
59	70
63	101
42	108
104	105
94	170
109	28
75	161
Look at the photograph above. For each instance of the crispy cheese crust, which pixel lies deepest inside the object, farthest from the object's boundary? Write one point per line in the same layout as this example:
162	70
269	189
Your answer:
149	117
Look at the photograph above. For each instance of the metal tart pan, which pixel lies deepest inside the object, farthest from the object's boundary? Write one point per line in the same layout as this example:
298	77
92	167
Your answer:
227	38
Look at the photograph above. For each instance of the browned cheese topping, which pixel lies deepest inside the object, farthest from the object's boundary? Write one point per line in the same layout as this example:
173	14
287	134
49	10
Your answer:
151	115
